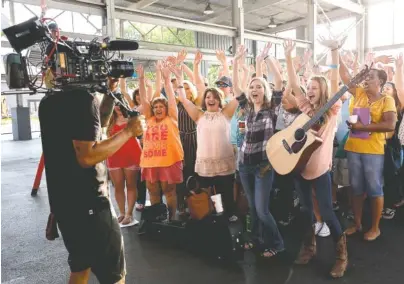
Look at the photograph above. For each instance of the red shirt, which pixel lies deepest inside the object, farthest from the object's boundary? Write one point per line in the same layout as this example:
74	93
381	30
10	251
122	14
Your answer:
128	155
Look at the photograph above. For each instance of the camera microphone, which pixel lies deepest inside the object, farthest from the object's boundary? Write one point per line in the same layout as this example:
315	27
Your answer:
120	45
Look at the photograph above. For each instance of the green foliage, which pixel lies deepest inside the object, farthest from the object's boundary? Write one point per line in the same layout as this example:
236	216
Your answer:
159	34
213	74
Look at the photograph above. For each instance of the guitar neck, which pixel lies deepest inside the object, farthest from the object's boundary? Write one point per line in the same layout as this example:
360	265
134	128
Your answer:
325	108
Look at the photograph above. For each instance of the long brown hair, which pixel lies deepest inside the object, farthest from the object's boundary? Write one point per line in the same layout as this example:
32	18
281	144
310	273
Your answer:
267	93
111	123
218	94
134	94
324	95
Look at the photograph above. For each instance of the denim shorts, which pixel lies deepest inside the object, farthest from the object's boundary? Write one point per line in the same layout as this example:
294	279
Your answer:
366	173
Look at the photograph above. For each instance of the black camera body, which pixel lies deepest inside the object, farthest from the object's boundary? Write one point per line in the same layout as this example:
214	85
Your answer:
72	62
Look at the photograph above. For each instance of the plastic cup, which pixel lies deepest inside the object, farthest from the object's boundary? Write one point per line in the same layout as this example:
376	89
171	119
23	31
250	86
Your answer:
217	202
353	118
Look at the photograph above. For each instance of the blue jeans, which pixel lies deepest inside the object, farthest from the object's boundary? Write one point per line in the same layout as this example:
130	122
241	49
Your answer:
366	173
257	183
322	186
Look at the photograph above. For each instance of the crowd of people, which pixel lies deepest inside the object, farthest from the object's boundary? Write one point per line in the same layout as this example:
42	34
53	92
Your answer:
219	134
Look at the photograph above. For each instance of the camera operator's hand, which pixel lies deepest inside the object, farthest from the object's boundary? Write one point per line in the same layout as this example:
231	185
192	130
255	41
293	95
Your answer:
112	84
134	127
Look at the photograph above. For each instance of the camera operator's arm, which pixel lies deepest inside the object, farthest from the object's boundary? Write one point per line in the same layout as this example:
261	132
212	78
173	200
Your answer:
122	86
89	153
144	102
107	103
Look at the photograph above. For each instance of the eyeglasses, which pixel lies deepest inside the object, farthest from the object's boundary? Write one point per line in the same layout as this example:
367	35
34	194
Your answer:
222	85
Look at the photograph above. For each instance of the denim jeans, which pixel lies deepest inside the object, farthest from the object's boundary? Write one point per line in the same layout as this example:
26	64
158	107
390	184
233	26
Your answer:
257	183
322	186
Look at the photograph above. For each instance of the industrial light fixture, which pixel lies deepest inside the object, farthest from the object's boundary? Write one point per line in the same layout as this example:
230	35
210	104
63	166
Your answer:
208	10
272	24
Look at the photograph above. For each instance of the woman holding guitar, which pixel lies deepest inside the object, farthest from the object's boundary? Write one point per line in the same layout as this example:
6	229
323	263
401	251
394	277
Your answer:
256	173
316	172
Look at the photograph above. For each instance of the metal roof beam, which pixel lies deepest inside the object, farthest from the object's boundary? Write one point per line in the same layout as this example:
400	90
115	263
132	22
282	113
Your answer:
347	5
142	4
95	7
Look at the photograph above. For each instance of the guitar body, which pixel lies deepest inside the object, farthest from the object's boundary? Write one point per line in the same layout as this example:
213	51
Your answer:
286	153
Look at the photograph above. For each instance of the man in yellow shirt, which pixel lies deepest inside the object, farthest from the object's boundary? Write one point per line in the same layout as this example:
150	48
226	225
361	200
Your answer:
366	155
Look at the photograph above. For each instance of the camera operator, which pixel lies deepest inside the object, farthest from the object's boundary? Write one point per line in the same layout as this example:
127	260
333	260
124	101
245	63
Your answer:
71	122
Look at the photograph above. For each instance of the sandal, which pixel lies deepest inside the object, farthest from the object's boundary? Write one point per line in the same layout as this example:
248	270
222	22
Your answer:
120	218
373	238
269	253
353	230
127	220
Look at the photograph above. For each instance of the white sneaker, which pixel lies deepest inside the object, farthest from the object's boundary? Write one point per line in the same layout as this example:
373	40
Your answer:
321	230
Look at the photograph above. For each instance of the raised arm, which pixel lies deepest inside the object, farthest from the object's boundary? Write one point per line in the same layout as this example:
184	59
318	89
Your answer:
260	59
193	111
124	91
157	83
199	82
221	56
293	81
273	66
144	102
399	79
172	104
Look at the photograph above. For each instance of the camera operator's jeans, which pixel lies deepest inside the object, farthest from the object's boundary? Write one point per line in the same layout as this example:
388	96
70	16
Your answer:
257	184
322	187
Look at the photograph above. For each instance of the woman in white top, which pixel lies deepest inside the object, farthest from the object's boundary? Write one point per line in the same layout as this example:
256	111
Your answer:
215	160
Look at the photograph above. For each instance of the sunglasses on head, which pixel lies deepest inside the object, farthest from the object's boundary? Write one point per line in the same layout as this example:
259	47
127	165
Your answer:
222	85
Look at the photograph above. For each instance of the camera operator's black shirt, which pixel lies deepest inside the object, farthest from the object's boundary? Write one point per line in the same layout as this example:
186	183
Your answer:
66	116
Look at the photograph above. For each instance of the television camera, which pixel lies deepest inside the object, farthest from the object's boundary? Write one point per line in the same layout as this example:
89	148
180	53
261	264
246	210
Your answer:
65	62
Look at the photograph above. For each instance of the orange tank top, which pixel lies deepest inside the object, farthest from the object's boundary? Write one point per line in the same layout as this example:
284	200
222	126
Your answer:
161	144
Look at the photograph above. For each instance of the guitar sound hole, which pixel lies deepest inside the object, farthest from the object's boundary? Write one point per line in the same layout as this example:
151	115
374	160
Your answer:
298	145
300	134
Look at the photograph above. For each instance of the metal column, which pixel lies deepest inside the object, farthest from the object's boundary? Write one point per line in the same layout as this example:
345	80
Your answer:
361	37
110	7
300	34
20	115
311	26
238	23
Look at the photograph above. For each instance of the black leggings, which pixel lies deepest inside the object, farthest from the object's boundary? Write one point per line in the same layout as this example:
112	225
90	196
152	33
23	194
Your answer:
223	185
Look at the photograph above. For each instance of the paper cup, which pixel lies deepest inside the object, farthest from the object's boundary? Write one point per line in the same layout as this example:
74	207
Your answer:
217	202
353	118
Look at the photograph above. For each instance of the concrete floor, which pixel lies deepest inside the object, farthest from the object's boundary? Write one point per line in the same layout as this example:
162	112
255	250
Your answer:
27	257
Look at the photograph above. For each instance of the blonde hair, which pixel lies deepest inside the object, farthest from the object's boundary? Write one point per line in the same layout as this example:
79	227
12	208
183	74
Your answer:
267	92
192	89
324	95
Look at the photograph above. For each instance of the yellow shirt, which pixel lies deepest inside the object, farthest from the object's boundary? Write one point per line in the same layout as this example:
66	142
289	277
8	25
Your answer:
375	143
161	144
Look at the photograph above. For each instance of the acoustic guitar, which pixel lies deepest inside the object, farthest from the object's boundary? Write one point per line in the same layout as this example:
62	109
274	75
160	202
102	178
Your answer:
290	149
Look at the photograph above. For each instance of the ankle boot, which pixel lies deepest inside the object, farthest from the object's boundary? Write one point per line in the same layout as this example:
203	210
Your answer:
308	248
341	258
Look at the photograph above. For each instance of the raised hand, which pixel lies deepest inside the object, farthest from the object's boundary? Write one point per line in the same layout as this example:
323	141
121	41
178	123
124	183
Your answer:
385	59
330	43
165	70
140	71
159	64
198	57
399	61
241	52
177	70
289	46
264	52
221	56
181	56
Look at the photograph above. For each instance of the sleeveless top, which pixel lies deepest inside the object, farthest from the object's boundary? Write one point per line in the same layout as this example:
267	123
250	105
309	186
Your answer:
128	155
161	144
214	154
